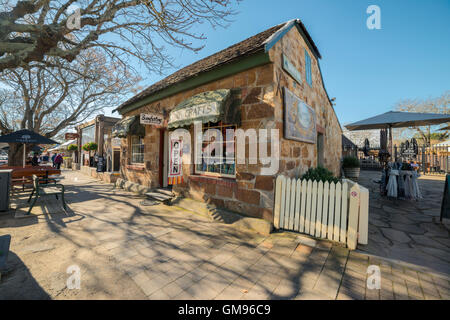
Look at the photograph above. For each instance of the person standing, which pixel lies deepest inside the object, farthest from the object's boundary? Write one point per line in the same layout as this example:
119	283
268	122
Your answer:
35	160
58	161
53	160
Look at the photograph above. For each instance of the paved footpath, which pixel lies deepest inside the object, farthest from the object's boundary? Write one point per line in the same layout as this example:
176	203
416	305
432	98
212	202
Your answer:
127	251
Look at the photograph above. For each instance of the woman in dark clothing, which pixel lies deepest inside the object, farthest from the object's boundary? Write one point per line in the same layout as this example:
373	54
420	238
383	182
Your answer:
34	161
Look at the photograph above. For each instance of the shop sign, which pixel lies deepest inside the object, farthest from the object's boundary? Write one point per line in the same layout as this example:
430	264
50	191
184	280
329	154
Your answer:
291	69
299	119
71	136
116	142
175	163
152	119
194	112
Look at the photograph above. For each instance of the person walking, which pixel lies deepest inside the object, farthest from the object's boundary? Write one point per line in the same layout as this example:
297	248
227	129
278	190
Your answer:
58	161
53	160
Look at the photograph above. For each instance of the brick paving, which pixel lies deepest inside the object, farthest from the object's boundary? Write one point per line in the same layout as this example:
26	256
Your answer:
128	251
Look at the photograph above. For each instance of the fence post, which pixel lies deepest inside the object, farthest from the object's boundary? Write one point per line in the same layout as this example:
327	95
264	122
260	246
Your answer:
276	216
363	228
352	236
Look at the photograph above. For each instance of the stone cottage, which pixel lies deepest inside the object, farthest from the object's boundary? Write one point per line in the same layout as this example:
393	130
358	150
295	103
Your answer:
269	81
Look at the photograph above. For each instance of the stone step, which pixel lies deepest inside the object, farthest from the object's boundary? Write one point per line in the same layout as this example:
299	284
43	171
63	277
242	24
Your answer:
164	191
159	196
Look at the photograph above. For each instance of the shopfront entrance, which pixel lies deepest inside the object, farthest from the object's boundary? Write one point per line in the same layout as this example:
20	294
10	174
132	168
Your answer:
163	157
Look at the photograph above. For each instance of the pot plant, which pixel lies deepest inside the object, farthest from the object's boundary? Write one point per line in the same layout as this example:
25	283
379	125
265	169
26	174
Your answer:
351	167
90	146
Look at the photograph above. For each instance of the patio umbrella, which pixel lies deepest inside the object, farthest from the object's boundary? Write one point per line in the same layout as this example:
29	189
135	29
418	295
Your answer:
395	119
26	137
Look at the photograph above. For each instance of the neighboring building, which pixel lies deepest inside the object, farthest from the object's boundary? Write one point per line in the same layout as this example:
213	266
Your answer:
348	147
256	84
98	130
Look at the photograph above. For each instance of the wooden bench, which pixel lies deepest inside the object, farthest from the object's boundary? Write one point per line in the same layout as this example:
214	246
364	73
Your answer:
24	176
42	189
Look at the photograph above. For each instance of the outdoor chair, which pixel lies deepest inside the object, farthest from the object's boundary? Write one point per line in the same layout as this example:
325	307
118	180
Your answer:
40	189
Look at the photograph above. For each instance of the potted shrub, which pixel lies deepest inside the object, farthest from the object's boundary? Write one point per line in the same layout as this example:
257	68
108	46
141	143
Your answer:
72	148
90	146
319	174
351	167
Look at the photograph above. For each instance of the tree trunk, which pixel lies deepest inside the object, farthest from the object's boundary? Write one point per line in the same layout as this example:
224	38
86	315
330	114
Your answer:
15	155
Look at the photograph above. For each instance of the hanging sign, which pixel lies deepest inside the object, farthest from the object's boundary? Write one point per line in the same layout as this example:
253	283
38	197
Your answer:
152	119
175	164
71	136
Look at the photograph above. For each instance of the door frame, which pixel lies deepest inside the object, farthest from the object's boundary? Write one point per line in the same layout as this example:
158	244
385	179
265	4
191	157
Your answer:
163	157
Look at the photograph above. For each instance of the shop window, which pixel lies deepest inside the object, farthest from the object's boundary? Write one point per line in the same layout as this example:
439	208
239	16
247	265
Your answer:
137	150
308	75
215	164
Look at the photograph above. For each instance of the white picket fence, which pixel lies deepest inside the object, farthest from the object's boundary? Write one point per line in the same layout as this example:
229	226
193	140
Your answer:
333	211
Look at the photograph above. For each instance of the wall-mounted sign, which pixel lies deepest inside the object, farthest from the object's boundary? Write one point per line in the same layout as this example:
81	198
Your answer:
116	142
194	112
71	136
291	69
152	119
175	163
299	119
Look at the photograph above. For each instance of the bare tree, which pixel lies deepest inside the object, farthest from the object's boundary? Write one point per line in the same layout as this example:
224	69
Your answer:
50	99
432	105
138	29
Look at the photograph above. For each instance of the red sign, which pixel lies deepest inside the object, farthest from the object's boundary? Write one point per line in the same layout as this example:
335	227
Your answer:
71	136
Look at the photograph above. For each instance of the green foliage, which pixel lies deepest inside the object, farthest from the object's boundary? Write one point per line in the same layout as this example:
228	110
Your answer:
72	147
319	174
350	162
90	146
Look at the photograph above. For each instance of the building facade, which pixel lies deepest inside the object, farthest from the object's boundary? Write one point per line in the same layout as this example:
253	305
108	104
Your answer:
270	81
98	130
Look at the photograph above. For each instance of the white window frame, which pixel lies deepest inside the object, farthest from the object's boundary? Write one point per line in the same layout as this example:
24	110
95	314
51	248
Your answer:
139	145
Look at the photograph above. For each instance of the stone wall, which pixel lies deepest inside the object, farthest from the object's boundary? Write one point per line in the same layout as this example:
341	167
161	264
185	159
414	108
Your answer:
297	157
250	193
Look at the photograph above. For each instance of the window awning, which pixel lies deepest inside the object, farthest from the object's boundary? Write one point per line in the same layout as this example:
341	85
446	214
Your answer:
211	106
128	126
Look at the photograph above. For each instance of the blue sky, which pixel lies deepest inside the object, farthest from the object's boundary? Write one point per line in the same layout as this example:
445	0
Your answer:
367	71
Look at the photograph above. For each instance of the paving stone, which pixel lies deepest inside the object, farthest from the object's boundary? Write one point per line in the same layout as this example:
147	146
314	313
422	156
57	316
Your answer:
172	290
332	272
387	290
286	289
310	295
414	290
400	290
395	235
410	229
